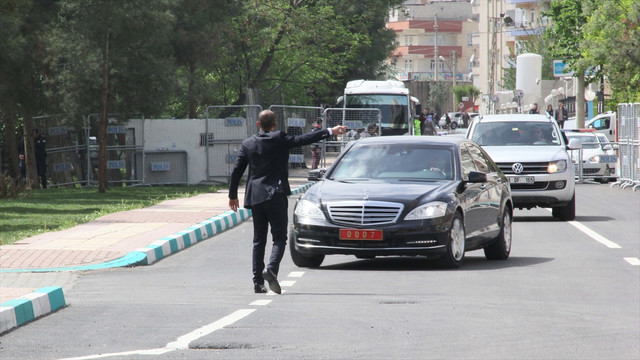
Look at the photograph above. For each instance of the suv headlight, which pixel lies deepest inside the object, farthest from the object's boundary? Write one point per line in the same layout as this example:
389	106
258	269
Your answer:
308	209
557	166
428	211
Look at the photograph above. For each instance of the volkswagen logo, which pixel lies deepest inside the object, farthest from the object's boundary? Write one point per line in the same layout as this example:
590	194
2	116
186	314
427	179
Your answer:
517	168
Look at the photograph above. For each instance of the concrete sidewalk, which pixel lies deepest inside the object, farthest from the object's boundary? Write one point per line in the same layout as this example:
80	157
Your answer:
34	272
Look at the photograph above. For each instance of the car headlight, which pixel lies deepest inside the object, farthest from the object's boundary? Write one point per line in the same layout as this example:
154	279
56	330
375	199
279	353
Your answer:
428	211
594	159
308	209
557	166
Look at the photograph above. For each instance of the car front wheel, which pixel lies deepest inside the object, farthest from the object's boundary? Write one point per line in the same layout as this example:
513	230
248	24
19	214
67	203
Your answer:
302	260
501	248
567	212
455	244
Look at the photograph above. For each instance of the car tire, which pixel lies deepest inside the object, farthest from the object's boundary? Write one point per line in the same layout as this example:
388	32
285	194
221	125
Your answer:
454	255
453	125
301	260
567	212
501	248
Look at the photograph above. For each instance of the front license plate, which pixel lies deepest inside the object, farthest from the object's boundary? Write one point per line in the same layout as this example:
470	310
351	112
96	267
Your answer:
522	179
360	234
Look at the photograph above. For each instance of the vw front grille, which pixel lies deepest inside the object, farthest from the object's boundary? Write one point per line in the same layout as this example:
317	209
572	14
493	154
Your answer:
529	168
364	213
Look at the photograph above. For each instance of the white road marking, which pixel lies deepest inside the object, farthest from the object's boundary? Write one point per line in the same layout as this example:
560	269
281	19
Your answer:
633	261
183	341
125	353
594	235
261	302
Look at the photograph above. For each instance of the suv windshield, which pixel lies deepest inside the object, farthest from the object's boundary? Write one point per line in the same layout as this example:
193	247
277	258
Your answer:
394	162
510	133
589	141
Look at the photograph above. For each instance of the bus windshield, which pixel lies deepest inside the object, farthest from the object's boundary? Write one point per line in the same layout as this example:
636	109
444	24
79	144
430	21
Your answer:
393	109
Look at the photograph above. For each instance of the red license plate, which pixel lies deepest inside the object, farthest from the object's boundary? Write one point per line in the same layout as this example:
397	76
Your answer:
360	234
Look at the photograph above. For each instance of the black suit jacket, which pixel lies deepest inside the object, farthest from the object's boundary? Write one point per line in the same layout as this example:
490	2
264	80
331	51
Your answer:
267	156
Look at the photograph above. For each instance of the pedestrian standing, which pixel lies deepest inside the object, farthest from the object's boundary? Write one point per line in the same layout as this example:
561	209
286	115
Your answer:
561	115
316	150
534	109
429	127
266	154
550	110
40	149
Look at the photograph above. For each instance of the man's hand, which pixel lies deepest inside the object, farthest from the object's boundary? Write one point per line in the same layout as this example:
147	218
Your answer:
234	204
338	130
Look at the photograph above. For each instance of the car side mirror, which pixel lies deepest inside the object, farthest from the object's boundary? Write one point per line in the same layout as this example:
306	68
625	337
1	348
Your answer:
574	144
316	174
477	177
607	147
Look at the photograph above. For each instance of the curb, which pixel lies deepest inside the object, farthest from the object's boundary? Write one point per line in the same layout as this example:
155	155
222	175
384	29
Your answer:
43	301
29	307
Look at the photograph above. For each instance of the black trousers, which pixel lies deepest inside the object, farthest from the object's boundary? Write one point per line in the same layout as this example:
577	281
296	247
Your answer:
274	213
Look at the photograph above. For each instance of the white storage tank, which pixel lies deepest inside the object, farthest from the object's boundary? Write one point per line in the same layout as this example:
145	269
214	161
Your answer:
528	78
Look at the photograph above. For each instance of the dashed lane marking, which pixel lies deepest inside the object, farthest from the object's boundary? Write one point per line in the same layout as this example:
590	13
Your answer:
594	235
261	302
633	261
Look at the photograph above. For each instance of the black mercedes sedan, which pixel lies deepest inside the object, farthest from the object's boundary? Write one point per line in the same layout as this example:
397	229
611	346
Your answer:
433	196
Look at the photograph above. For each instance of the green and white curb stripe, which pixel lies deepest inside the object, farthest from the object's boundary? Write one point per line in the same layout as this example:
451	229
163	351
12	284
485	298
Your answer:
181	240
16	312
204	230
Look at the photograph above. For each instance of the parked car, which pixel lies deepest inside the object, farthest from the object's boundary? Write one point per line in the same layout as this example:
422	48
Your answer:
456	120
432	196
598	156
531	151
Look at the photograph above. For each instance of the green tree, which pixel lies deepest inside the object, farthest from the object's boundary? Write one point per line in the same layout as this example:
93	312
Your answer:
115	56
566	34
612	40
23	71
439	92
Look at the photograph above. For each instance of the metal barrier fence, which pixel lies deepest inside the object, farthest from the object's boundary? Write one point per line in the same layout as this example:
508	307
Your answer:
360	122
297	120
226	126
628	125
72	150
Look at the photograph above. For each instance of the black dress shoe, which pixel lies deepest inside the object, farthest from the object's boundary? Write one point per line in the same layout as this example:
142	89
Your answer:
272	280
259	289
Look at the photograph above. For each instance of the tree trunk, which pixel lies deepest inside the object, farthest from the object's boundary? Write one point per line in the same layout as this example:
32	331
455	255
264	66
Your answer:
102	126
580	102
29	150
10	140
191	98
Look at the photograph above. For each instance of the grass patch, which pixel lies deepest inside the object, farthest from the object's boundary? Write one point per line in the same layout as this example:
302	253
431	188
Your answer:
51	209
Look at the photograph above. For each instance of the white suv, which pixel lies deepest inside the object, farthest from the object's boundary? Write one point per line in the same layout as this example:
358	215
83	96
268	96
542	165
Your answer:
532	152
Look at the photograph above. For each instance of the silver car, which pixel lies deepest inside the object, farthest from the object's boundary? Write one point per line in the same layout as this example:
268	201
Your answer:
531	151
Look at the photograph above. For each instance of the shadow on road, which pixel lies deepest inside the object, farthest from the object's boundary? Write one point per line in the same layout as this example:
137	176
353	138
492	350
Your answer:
398	263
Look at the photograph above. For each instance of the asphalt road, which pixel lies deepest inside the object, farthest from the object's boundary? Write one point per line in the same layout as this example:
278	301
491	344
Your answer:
569	291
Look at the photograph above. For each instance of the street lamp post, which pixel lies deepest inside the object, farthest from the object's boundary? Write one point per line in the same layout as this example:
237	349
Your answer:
453	76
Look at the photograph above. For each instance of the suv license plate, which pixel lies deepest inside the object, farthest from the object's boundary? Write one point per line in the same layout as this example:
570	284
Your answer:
360	234
522	179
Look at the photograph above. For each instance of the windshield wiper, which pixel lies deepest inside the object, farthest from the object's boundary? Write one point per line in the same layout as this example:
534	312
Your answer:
350	179
419	180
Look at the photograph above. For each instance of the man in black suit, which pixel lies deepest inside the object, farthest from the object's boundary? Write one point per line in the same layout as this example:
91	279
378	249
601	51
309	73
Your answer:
267	156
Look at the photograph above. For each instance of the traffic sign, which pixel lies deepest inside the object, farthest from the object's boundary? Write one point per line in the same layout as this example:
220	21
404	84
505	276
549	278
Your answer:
461	105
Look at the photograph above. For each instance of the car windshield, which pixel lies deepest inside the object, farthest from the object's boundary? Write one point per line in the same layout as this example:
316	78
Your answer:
589	141
510	133
394	162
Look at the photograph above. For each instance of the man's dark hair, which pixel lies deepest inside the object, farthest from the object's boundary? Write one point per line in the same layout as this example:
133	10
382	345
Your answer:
267	119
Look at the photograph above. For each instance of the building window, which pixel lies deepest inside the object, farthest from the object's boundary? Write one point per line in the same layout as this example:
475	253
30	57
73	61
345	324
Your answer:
408	66
469	39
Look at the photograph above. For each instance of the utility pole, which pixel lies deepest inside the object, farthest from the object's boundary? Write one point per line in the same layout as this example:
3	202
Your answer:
435	42
453	76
